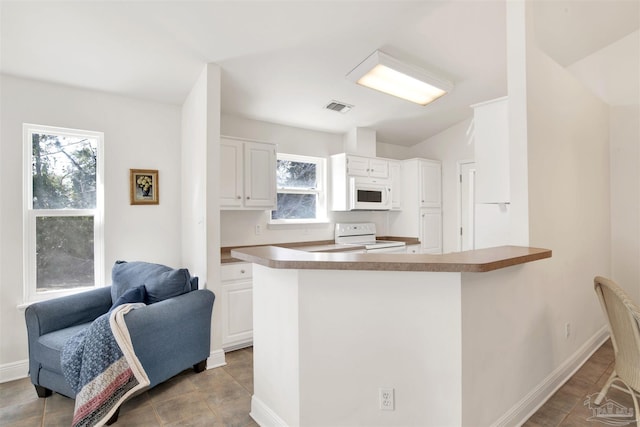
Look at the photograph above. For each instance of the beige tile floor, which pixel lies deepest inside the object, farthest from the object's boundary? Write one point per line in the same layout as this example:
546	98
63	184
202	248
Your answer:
222	397
216	397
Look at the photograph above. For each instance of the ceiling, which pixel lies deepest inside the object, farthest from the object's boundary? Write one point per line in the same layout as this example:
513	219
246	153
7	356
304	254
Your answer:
282	61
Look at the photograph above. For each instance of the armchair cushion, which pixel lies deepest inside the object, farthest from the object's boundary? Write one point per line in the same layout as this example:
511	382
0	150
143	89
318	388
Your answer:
161	282
133	295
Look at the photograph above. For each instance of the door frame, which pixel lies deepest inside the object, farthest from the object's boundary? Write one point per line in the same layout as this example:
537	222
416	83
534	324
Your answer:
459	165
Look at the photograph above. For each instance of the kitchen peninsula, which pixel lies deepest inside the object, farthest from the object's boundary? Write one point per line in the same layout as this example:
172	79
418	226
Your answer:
334	331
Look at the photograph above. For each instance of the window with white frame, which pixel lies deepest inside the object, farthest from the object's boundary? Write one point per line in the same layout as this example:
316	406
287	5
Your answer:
301	185
63	210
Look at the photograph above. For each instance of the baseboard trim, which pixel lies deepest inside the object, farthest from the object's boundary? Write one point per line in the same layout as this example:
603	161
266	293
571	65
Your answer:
263	415
526	407
216	359
14	371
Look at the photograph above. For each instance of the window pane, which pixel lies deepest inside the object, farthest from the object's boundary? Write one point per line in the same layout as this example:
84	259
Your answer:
295	206
64	171
64	248
296	174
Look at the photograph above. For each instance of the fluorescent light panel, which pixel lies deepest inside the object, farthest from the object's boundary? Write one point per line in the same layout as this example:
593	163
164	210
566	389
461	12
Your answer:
386	74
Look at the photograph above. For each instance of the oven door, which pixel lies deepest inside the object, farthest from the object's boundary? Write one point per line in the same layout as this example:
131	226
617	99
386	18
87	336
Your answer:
370	194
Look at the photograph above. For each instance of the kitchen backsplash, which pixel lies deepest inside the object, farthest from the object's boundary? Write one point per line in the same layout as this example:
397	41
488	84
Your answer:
239	228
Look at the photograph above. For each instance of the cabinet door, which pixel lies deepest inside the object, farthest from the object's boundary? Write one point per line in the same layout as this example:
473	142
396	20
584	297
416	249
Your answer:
378	168
259	175
431	231
237	324
430	185
357	166
236	305
395	172
230	173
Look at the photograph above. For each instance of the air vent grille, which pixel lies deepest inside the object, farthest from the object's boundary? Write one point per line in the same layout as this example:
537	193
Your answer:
338	106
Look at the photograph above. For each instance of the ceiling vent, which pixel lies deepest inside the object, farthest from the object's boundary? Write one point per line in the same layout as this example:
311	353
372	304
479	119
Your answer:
338	106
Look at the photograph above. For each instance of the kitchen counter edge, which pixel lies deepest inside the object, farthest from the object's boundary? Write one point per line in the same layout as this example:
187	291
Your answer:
475	261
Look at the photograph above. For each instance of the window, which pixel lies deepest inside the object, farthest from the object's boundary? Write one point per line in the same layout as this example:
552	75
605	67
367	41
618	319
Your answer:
63	206
301	190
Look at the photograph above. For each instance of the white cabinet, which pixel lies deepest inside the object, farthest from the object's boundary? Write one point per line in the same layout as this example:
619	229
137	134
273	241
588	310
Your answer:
360	166
247	174
231	173
395	173
414	249
236	305
421	194
491	146
431	230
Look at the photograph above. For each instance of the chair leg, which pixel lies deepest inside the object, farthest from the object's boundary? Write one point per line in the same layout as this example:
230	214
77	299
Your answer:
200	366
114	417
42	391
605	389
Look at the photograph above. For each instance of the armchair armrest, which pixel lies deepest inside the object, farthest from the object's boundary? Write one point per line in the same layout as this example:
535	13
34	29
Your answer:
171	335
59	313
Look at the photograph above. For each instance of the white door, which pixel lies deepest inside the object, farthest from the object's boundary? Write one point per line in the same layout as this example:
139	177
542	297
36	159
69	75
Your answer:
230	173
259	175
431	183
431	230
467	206
395	172
357	166
378	168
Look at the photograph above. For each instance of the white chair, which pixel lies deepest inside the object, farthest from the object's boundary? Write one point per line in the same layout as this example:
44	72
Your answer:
623	316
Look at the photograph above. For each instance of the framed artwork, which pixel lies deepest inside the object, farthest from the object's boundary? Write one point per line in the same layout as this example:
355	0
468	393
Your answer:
144	187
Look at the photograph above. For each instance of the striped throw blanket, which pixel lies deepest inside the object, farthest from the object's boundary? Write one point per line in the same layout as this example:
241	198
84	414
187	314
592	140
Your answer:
100	365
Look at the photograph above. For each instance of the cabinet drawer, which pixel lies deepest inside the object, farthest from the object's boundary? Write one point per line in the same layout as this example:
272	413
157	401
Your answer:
236	271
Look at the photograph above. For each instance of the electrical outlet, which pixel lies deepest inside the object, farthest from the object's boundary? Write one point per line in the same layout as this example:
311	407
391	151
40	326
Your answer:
567	330
387	399
258	229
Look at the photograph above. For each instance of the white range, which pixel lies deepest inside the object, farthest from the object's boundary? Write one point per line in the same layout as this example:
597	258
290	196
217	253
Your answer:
364	234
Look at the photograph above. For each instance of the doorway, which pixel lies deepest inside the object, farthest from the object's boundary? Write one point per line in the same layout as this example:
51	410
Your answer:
467	205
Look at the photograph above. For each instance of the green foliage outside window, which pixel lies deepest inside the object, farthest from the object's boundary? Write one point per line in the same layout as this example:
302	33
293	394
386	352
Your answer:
64	177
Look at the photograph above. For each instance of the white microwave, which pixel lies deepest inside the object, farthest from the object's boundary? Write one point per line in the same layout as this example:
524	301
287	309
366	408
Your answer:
369	194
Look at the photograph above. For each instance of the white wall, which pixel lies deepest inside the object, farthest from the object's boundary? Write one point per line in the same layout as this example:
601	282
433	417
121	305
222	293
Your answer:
238	227
568	195
137	134
625	197
194	179
450	147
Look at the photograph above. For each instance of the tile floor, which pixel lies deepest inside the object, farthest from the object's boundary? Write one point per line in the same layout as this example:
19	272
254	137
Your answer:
570	405
222	397
216	397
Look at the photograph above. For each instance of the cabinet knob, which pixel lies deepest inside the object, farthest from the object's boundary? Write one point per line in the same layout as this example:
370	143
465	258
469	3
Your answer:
248	197
241	271
239	197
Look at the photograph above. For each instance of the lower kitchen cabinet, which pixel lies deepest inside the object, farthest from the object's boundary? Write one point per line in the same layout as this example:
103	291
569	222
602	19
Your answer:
236	305
431	230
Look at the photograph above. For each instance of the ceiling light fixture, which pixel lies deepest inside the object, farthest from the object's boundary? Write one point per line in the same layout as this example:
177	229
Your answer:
393	77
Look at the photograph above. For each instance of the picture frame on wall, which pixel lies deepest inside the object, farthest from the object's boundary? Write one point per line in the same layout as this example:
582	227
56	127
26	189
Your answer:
144	186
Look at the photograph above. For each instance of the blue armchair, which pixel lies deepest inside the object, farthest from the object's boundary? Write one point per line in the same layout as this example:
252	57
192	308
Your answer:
169	335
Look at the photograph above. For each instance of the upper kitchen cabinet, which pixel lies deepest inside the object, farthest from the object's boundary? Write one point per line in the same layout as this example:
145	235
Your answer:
361	166
247	174
395	174
421	214
491	140
422	183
